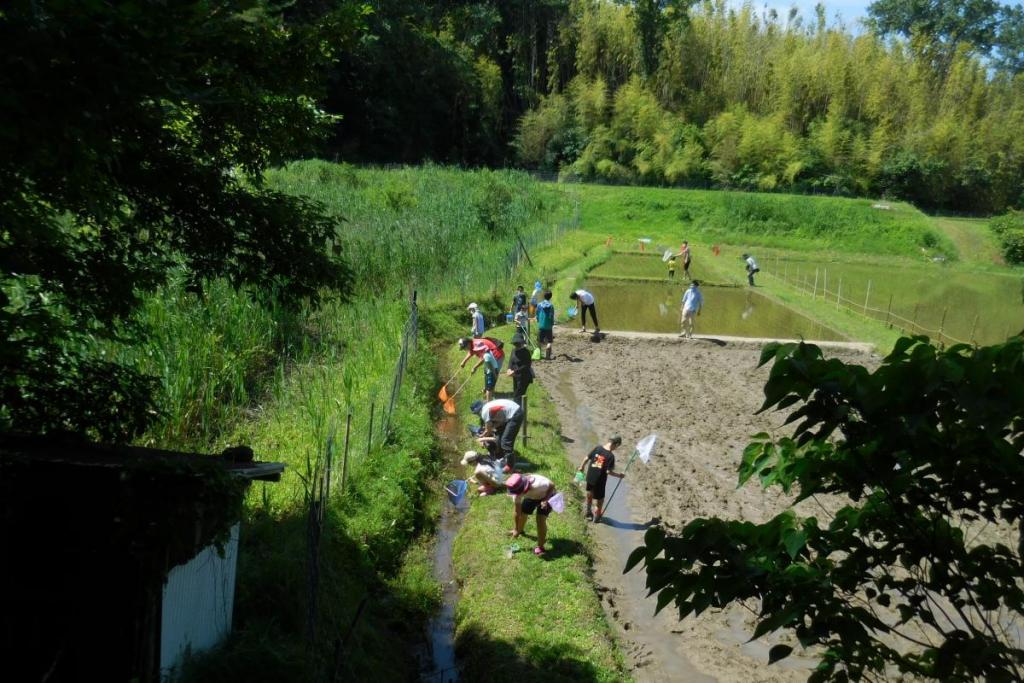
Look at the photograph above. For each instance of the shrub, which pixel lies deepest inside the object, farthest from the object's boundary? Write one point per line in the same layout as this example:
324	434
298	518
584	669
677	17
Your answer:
1010	230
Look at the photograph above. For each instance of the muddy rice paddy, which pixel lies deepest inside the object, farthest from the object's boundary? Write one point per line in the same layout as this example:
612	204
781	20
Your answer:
700	397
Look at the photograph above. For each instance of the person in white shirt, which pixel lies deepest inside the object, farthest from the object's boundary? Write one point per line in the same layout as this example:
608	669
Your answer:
532	492
693	301
751	268
478	321
501	419
586	302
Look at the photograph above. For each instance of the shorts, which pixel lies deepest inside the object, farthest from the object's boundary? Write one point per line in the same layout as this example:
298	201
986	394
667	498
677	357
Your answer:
598	489
545	336
689	312
529	505
490	377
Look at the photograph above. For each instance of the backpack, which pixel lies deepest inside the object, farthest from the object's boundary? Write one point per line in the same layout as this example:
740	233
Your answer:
497	342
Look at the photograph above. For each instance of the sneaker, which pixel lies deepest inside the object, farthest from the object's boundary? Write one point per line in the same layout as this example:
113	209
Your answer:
538	551
589	516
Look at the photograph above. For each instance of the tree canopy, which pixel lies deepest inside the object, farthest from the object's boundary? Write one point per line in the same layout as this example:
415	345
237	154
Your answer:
133	139
915	565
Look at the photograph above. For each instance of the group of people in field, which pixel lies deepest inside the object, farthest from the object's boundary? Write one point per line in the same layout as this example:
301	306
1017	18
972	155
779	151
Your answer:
693	300
501	419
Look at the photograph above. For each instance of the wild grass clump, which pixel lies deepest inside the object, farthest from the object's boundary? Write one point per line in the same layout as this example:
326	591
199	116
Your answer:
438	230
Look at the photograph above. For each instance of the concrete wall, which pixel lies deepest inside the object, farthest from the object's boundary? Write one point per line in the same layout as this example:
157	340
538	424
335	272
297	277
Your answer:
198	601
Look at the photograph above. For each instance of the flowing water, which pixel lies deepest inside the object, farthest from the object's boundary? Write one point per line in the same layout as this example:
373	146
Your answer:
732	311
443	666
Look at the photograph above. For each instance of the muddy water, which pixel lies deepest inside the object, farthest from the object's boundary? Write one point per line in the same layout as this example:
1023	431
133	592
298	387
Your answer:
443	667
650	645
732	311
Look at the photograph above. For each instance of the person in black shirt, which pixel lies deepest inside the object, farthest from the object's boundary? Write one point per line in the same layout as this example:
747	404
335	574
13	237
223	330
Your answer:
520	368
598	464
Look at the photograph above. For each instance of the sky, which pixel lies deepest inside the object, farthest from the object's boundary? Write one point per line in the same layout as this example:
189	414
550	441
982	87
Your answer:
849	10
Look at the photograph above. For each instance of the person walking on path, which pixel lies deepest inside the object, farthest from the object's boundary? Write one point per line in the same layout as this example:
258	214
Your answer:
586	302
751	268
477	329
598	465
520	368
693	301
672	268
532	492
546	324
490	355
501	419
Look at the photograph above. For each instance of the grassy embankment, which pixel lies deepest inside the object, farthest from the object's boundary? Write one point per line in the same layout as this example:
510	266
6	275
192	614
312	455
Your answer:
281	381
521	618
892	249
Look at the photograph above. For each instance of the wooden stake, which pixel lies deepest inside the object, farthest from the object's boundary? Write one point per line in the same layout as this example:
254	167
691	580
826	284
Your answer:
888	312
942	324
974	327
814	294
866	297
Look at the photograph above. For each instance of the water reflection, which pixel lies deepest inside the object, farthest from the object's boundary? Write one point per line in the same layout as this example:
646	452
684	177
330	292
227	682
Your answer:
734	311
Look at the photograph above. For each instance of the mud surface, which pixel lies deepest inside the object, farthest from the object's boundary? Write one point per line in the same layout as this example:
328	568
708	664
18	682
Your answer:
700	397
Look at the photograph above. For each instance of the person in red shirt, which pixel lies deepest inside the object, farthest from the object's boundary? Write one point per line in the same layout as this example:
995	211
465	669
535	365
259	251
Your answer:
490	354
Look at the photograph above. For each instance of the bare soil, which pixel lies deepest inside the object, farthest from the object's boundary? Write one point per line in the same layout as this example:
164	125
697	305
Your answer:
700	396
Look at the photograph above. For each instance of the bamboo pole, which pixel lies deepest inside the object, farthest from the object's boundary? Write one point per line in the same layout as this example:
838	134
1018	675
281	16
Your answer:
888	312
814	294
974	327
839	293
866	297
942	324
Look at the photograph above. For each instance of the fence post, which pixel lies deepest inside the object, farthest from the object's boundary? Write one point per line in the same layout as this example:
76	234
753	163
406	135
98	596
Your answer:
913	321
866	297
824	285
974	327
942	324
344	458
839	293
525	420
369	434
814	294
786	278
888	312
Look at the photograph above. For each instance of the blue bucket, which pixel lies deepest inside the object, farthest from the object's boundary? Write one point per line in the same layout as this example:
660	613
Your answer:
508	317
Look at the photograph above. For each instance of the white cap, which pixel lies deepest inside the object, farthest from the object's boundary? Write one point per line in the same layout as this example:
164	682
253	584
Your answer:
471	307
470	457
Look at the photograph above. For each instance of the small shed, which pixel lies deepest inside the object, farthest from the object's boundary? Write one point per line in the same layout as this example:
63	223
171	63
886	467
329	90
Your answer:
116	561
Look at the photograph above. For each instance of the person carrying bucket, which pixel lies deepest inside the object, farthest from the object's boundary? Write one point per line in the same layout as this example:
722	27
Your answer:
596	467
531	492
490	354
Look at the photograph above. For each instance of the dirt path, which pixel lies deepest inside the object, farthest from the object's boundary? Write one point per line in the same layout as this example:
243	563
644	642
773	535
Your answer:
700	397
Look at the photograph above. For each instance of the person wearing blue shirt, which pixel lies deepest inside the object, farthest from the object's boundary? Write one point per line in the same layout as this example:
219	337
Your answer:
546	324
693	301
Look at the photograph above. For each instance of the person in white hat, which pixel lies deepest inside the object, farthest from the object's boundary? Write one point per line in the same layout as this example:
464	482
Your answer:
486	474
478	321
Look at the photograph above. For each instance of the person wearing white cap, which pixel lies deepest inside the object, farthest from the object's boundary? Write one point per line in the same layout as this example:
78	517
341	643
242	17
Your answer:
478	321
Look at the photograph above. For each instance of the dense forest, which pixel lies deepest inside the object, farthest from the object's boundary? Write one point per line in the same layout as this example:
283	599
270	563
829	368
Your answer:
923	101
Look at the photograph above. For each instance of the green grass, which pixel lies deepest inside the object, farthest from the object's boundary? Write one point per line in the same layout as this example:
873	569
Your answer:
668	216
973	240
524	618
283	381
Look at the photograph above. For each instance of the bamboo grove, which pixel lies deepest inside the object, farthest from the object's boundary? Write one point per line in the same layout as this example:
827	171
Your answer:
700	95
